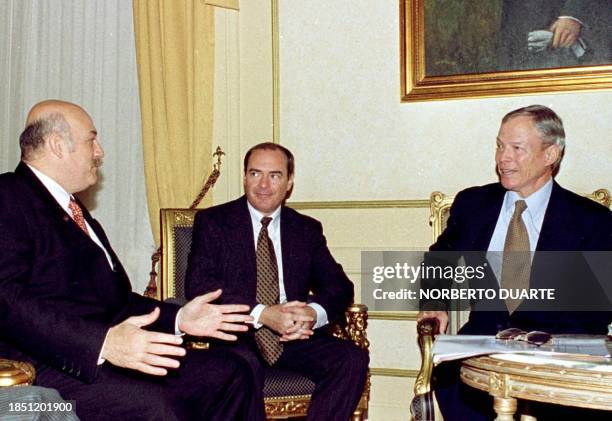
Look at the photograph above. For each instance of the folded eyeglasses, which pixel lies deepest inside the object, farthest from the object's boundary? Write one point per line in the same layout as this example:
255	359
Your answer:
535	337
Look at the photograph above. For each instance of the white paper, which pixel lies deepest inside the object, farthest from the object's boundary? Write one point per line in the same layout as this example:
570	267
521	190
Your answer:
455	347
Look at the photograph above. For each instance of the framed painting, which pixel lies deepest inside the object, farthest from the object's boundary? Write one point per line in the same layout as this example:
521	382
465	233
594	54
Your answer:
484	48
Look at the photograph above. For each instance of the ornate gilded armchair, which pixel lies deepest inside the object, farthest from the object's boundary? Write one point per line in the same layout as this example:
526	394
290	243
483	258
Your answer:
16	373
422	405
286	393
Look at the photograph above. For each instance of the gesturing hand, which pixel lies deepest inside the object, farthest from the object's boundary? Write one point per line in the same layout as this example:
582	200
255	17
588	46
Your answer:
129	346
199	318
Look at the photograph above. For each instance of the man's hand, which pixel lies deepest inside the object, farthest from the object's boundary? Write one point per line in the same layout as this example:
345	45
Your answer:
199	318
129	346
565	32
283	318
300	329
442	317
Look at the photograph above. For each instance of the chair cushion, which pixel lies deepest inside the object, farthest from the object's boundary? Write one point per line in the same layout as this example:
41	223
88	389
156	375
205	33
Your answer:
422	407
286	383
182	247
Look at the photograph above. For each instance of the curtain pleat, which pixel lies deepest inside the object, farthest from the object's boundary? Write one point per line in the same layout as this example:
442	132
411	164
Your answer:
175	53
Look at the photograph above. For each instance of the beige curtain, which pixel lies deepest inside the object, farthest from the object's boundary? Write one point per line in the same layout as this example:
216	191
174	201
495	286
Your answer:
228	4
175	52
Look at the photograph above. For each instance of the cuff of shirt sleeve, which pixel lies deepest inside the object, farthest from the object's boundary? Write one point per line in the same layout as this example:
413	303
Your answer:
177	331
100	359
572	18
321	315
256	313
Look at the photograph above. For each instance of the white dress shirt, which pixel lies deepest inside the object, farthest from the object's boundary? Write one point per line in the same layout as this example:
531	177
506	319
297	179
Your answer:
275	236
533	217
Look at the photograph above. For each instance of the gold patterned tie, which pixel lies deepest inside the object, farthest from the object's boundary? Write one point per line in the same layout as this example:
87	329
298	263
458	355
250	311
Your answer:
267	292
77	215
516	266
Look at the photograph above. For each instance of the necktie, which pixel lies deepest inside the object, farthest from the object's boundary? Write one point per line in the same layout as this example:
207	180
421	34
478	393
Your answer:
267	292
77	215
516	264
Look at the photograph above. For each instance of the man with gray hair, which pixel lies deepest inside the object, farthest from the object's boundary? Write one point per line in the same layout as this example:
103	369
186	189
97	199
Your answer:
530	233
66	303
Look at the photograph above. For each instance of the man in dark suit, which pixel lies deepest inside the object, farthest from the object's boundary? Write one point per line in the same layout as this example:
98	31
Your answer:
565	229
66	304
255	241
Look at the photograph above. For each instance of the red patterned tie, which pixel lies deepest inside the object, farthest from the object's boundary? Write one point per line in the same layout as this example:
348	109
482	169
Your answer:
77	215
267	292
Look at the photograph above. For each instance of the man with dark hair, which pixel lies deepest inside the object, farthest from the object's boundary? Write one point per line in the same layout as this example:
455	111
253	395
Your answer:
67	306
526	212
276	260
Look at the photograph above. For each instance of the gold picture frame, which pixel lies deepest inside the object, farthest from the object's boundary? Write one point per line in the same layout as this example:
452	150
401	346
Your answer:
417	85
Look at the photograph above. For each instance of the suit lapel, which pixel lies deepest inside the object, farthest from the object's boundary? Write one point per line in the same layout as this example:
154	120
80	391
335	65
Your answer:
487	218
46	204
99	231
240	233
290	248
557	215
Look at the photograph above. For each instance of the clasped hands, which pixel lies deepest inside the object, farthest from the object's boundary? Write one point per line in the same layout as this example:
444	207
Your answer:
292	320
128	345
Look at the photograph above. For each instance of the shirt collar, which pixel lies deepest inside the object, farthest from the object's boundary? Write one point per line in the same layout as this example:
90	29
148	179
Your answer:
256	216
60	195
536	201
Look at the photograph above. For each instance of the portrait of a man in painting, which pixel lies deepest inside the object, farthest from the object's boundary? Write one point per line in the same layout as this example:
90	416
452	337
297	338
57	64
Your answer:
482	36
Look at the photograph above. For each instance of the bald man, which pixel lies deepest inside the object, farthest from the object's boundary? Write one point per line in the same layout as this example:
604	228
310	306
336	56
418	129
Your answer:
66	304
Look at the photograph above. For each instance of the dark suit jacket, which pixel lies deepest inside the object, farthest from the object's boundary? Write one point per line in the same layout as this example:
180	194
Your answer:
572	224
223	256
58	294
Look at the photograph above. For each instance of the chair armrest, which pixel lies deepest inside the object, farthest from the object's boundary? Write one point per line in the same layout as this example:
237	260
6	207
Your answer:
16	373
426	329
354	326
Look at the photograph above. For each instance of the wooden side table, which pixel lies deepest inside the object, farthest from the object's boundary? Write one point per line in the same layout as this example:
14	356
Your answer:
543	379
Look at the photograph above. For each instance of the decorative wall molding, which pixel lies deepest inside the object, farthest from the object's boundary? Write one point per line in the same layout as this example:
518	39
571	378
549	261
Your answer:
361	204
393	372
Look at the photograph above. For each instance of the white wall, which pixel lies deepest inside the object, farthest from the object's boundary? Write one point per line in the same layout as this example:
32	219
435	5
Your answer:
341	114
